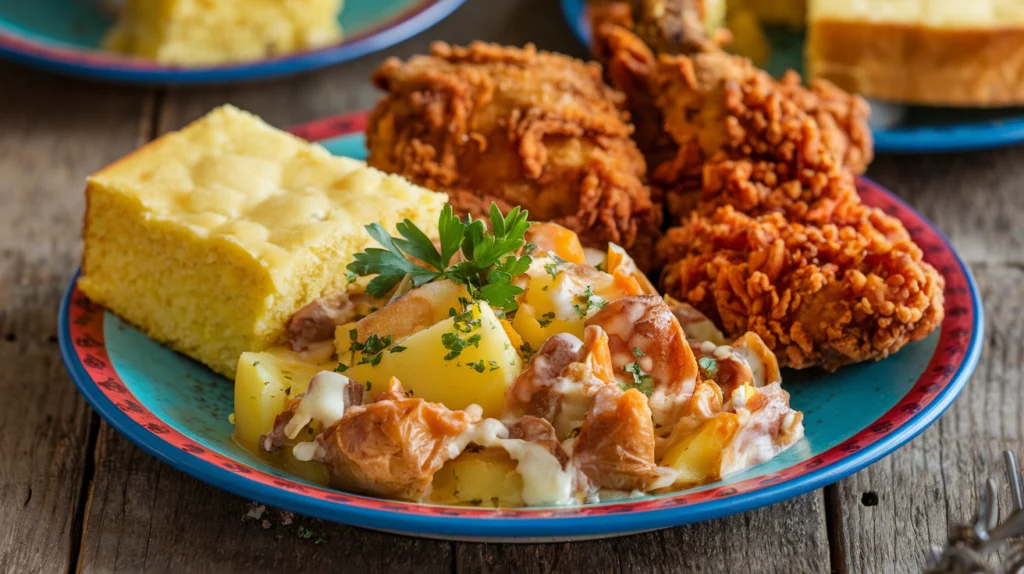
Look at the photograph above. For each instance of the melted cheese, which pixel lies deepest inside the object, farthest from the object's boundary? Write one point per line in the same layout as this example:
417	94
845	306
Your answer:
545	482
323	402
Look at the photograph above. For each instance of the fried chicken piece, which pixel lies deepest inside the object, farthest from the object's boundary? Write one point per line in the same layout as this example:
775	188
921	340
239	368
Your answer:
710	106
818	295
518	127
666	26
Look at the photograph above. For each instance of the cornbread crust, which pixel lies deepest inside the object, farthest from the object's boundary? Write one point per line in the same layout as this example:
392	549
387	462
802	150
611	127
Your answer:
920	65
211	238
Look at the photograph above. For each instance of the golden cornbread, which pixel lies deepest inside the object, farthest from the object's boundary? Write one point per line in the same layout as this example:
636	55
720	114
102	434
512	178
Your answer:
209	239
209	32
935	52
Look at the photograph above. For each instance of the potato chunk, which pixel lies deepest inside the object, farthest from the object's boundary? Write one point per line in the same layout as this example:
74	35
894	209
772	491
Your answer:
263	384
460	361
484	478
697	455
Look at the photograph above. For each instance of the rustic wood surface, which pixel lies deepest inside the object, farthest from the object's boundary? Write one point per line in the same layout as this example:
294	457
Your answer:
76	495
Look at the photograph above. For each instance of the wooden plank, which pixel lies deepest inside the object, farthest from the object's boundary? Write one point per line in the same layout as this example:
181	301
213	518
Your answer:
55	132
976	198
788	537
890	513
145	516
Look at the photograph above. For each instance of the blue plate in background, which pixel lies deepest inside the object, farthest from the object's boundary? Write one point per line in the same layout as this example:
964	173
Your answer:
919	130
63	36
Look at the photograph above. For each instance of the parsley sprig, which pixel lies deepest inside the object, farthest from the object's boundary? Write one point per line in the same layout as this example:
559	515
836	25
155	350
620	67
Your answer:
489	256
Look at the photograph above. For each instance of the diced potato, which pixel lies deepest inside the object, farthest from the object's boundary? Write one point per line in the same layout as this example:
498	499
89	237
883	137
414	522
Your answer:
697	456
263	384
621	266
557	299
484	478
479	374
561	241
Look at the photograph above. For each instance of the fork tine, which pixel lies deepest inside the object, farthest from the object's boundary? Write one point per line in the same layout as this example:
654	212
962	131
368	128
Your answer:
1013	476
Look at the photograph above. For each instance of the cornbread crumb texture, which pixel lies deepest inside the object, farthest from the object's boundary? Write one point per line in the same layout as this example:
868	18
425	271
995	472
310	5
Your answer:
210	238
939	52
207	32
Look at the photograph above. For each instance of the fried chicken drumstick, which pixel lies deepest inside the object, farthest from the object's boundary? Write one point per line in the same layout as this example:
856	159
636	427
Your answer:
696	105
518	127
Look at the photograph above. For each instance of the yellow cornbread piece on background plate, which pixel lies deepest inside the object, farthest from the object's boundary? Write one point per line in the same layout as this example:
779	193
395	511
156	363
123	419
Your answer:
209	239
207	32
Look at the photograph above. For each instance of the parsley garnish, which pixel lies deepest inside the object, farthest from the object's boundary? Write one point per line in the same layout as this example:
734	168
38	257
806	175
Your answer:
478	366
546	319
489	261
587	301
552	269
641	380
708	367
637	352
372	349
341	368
396	349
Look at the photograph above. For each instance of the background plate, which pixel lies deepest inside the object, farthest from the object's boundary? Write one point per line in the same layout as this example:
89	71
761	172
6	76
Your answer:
63	35
177	410
921	129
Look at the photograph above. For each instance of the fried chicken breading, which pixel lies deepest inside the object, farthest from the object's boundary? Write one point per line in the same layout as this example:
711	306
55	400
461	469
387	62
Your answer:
518	127
711	106
819	295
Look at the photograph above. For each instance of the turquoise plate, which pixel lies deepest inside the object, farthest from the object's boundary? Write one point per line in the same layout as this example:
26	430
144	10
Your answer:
63	36
177	410
917	129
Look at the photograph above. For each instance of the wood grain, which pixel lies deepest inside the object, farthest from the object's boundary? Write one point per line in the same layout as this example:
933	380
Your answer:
894	510
48	144
752	539
145	516
976	198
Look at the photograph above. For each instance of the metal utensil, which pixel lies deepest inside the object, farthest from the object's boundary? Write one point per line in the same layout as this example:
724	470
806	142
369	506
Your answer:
967	546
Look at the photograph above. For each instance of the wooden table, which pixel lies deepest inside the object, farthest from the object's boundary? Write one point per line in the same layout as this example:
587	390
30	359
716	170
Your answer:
76	495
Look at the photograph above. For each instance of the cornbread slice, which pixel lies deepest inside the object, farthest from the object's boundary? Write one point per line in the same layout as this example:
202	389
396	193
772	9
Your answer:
211	238
208	32
935	52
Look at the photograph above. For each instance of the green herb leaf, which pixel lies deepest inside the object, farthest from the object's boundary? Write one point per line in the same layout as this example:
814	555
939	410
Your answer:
489	266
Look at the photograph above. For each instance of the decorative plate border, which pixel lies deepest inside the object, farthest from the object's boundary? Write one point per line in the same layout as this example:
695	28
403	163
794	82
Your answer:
968	136
105	66
956	355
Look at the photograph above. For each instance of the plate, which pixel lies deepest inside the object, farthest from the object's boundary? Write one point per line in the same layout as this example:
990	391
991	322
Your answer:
919	129
63	36
177	410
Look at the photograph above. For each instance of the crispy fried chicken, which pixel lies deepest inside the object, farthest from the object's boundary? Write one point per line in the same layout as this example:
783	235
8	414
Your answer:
711	106
519	127
819	295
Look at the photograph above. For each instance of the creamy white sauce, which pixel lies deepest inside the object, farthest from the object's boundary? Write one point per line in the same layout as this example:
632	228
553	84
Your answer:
323	402
305	451
722	352
739	397
545	482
